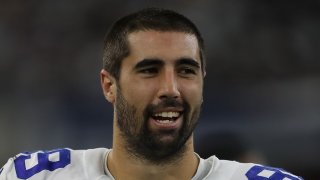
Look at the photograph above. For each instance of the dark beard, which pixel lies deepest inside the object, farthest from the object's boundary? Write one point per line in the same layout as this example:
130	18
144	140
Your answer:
146	145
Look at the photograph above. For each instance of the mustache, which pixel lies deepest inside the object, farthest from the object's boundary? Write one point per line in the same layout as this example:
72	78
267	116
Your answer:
165	103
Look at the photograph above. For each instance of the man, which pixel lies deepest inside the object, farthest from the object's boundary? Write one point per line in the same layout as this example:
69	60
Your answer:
153	74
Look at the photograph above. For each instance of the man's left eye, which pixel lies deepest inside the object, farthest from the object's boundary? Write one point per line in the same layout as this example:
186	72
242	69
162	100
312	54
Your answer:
186	71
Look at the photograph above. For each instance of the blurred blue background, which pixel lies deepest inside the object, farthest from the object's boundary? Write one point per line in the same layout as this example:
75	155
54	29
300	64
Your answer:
261	99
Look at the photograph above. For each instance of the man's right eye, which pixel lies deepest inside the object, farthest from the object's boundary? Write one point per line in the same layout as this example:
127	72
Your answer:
149	71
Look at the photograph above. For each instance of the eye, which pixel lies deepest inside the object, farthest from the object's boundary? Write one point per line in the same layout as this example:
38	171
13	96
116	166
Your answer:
149	71
187	71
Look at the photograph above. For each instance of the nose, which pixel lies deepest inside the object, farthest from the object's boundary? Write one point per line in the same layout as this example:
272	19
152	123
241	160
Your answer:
168	85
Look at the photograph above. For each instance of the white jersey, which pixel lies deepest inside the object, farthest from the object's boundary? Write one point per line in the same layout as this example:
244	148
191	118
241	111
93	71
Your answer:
67	164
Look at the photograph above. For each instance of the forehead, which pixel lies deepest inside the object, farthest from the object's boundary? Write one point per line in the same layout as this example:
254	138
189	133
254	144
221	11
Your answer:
163	45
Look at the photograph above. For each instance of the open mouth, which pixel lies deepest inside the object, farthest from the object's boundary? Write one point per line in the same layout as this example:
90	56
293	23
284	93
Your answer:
166	120
166	117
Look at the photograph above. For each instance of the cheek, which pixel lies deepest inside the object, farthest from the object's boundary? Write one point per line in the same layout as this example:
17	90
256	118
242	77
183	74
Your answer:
138	94
192	93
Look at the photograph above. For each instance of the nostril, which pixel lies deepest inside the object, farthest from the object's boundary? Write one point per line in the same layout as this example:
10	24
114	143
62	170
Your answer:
168	96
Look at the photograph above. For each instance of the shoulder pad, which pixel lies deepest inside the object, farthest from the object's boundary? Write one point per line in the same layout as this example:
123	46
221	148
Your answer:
26	165
264	172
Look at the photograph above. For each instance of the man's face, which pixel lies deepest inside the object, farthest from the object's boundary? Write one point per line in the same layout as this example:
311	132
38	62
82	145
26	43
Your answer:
159	93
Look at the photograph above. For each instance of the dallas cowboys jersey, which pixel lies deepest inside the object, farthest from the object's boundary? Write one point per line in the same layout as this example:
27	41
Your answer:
89	164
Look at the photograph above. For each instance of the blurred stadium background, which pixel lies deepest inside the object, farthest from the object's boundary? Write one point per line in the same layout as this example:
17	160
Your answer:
262	91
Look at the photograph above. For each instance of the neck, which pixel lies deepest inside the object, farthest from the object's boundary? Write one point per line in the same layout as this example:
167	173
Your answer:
123	166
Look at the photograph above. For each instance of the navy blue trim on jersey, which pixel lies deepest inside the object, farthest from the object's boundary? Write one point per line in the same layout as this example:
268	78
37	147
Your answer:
43	163
268	173
1	170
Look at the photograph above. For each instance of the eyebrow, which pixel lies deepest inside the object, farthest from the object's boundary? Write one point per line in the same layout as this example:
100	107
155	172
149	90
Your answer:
148	62
158	62
188	61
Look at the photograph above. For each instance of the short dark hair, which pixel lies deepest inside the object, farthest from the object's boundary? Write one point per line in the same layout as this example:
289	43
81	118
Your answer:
116	43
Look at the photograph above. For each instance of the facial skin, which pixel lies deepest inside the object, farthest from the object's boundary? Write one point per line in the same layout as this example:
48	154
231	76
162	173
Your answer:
161	77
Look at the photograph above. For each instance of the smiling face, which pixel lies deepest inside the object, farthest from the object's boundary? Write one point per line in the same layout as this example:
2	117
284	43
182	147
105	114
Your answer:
158	96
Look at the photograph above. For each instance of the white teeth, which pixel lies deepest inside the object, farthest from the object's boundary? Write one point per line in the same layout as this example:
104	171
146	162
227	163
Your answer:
165	114
168	114
164	121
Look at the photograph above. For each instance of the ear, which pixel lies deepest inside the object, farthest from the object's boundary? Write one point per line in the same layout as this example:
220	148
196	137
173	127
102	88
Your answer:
108	85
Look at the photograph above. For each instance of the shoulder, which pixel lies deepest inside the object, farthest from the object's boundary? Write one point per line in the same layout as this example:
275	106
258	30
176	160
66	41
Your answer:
233	170
60	163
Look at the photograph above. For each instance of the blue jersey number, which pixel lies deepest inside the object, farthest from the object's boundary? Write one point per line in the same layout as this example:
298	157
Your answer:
47	160
268	173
